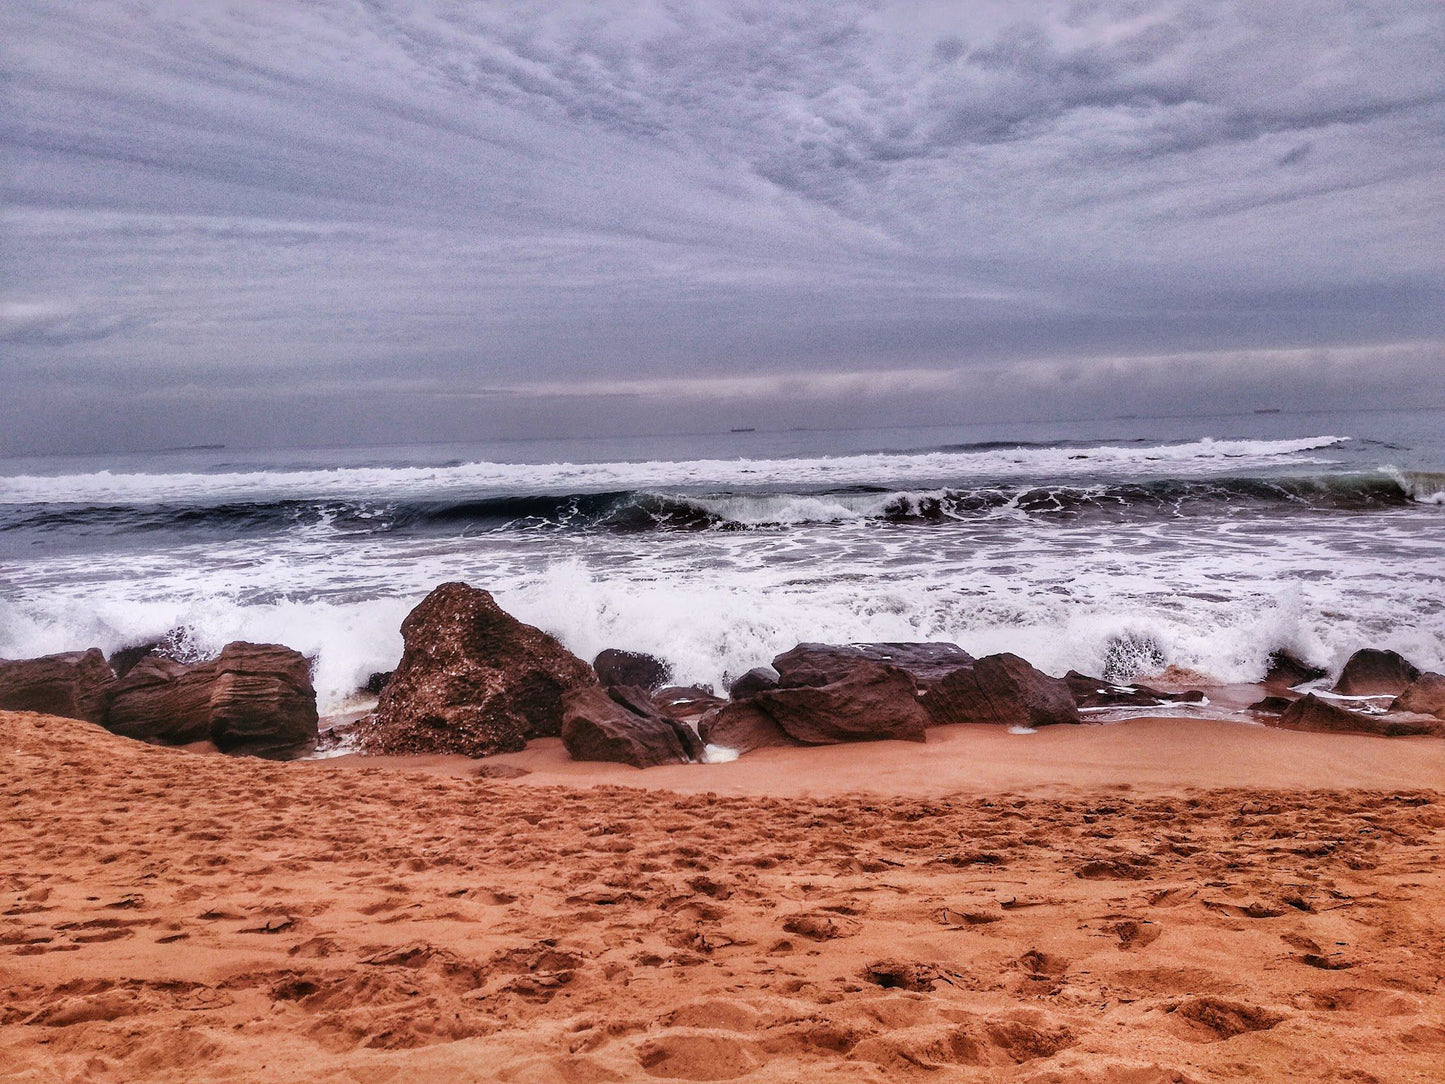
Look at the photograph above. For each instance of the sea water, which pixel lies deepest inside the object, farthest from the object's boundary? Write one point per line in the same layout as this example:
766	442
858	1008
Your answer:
1126	544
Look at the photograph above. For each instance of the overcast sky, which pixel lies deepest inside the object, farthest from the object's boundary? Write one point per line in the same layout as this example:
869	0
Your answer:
356	221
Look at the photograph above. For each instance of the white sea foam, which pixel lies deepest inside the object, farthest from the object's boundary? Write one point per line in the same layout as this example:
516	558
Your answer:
1195	457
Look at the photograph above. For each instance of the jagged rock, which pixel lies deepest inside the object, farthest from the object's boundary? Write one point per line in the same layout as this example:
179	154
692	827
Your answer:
596	726
743	726
637	700
123	660
472	680
686	701
823	664
615	667
1310	712
1002	689
376	682
1371	672
1092	692
1284	671
73	684
873	702
757	680
1424	696
252	697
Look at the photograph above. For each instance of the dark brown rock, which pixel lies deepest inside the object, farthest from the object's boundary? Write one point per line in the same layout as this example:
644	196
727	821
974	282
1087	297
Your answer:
743	726
757	680
1001	689
376	681
596	727
472	680
1371	672
74	684
637	700
872	703
1310	712
686	701
614	667
822	664
1285	671
1092	692
1272	705
251	698
1425	696
121	661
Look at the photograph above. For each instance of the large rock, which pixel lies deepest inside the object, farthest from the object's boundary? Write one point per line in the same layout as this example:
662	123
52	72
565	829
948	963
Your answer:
822	664
1425	696
615	667
252	697
619	725
874	702
75	684
759	679
742	725
1001	689
472	680
1311	712
1372	672
1284	671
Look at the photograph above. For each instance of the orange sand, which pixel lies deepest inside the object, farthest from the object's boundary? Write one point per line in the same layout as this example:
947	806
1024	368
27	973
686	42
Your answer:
1163	900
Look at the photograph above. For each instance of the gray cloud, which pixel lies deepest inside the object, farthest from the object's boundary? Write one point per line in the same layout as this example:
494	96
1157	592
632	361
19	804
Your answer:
379	197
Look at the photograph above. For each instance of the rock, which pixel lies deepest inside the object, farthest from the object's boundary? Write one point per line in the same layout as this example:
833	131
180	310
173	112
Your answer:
743	726
757	680
637	700
376	682
821	664
251	698
1001	689
121	661
595	726
686	701
873	703
1371	672
1092	692
1310	712
74	684
472	680
614	667
1272	705
1424	696
1284	671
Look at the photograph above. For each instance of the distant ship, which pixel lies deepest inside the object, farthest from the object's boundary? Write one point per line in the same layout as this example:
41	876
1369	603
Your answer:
743	429
1268	410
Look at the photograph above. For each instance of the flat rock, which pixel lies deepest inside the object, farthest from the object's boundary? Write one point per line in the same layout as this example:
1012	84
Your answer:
1001	689
472	680
1311	712
874	702
822	664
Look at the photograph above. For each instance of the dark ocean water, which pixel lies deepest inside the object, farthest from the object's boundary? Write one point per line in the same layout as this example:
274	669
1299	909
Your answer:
1215	540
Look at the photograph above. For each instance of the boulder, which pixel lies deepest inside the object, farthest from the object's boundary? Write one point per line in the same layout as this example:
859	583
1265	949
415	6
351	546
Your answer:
1002	689
1371	672
637	700
472	680
251	698
873	703
1092	692
595	726
75	684
1311	712
743	726
614	667
757	680
822	664
686	701
1284	671
1424	696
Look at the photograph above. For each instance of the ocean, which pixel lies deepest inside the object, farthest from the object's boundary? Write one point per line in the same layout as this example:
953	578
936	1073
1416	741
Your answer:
1124	545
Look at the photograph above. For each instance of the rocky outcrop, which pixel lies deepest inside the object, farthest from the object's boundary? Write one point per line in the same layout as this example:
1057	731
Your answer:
823	664
1372	672
1311	712
621	725
472	680
1424	696
251	698
1092	692
1284	671
1004	690
75	684
759	679
872	703
742	725
614	667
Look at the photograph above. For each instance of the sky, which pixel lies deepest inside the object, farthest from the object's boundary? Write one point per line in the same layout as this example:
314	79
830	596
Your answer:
369	221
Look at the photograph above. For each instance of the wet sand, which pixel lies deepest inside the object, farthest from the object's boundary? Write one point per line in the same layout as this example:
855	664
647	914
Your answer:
1156	900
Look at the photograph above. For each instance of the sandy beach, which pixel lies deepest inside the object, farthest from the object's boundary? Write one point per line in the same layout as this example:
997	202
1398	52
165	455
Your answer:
1155	900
